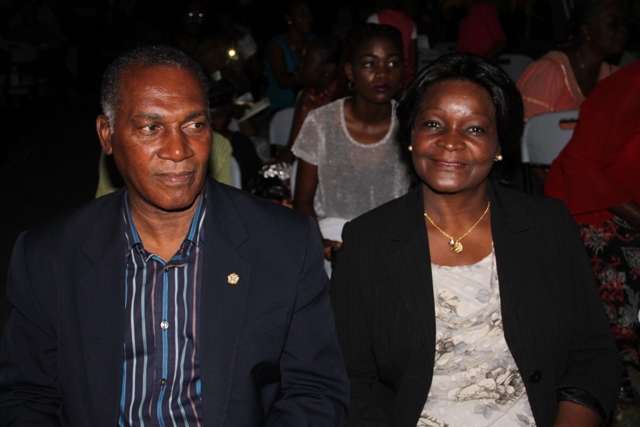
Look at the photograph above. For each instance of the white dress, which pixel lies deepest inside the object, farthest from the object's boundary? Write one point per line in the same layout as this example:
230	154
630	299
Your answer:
475	379
353	178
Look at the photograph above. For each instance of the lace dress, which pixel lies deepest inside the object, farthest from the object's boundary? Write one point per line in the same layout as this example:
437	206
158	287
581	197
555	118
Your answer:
475	379
353	178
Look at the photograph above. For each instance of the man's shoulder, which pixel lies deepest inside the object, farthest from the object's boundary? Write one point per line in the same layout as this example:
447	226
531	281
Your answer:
76	223
252	209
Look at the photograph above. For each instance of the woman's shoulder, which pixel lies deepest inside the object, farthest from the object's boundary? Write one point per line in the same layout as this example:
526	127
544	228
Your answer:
327	111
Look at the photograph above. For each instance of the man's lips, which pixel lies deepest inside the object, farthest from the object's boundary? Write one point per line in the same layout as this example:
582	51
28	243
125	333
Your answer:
175	177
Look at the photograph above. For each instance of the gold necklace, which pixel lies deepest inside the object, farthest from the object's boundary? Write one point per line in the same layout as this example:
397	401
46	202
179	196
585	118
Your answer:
455	244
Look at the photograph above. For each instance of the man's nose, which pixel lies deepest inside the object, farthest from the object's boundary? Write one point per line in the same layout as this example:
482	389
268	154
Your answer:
175	146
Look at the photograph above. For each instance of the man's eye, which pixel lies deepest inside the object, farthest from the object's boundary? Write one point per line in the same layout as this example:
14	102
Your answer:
196	125
150	128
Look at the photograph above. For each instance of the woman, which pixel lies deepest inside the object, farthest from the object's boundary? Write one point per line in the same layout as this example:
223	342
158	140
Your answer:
596	175
283	55
562	79
423	285
348	159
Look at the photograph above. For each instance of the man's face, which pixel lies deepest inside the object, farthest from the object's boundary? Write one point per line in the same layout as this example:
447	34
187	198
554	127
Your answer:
161	138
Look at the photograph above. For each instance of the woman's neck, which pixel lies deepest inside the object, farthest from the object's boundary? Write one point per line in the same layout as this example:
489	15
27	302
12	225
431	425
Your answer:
365	111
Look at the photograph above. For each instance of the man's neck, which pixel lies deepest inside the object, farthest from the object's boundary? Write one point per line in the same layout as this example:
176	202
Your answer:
161	232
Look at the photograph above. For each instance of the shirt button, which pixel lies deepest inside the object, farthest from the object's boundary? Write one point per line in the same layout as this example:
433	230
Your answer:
163	382
164	324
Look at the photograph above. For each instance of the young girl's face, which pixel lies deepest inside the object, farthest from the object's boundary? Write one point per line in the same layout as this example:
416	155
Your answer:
376	70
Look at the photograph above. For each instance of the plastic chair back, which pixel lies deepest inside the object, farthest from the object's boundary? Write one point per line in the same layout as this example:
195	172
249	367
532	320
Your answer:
280	127
543	139
426	57
514	64
236	176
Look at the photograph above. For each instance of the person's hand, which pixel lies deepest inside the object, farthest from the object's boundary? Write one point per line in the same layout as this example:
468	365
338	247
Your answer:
329	247
285	156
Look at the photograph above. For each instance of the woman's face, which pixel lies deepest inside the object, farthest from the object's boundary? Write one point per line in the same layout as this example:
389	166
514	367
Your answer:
455	139
300	17
376	70
311	68
607	32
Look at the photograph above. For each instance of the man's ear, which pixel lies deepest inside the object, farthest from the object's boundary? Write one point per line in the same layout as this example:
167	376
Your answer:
104	133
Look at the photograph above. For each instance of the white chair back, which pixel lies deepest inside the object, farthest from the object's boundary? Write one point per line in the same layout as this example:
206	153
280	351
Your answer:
236	176
514	64
543	139
280	127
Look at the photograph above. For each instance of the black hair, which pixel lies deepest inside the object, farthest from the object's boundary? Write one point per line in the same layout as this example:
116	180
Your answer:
582	13
147	56
331	48
473	68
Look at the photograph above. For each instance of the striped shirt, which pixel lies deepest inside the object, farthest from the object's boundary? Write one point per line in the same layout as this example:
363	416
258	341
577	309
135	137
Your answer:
161	367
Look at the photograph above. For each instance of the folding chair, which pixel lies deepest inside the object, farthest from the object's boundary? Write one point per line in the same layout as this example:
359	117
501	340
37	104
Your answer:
514	64
280	127
543	139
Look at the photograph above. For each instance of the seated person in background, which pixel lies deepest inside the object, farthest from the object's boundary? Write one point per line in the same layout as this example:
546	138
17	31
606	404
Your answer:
562	79
479	30
597	175
317	74
348	158
467	303
243	150
284	52
390	13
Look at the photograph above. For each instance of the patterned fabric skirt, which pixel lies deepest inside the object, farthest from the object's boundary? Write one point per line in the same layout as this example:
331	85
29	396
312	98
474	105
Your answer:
614	252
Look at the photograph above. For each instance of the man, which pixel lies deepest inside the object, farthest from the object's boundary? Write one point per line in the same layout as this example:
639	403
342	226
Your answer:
176	300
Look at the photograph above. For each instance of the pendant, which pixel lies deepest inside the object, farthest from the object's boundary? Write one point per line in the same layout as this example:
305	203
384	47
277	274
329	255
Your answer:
456	246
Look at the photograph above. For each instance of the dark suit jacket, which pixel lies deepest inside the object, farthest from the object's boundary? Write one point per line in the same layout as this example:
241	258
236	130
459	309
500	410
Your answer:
553	319
268	347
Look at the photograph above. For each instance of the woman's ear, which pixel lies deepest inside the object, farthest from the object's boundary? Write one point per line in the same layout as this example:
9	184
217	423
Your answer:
348	70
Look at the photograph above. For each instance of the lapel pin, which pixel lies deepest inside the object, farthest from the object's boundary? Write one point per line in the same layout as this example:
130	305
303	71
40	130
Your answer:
233	279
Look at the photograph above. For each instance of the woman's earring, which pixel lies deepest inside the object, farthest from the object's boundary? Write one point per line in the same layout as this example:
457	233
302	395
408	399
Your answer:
498	158
410	148
351	85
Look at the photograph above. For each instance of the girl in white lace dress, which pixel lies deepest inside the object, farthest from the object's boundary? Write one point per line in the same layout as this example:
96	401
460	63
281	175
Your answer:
348	159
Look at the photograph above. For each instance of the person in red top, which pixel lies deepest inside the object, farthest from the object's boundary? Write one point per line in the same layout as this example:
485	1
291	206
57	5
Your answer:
597	177
479	30
391	14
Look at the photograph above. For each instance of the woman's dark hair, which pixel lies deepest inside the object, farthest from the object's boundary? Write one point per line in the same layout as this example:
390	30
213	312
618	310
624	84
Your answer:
356	37
473	68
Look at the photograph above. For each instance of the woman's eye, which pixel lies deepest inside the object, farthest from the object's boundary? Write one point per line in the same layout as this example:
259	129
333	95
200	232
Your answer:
476	129
367	65
395	64
431	124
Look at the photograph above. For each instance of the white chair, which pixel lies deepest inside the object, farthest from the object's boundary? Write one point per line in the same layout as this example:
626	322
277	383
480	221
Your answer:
236	175
543	139
514	64
280	127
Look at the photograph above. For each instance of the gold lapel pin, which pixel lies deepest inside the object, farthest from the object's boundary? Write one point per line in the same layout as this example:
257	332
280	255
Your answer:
233	279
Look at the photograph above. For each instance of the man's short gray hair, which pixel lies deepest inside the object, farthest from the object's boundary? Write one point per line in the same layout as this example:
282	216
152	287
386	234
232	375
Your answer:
148	56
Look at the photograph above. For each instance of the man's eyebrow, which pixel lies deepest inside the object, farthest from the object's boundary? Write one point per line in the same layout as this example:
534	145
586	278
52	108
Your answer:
147	116
196	114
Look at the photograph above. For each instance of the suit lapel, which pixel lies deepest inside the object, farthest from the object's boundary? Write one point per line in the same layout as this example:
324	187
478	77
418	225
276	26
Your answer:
222	302
100	288
409	262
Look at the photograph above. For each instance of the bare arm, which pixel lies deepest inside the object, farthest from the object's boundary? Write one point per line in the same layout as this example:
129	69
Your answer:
306	185
574	415
629	211
278	64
